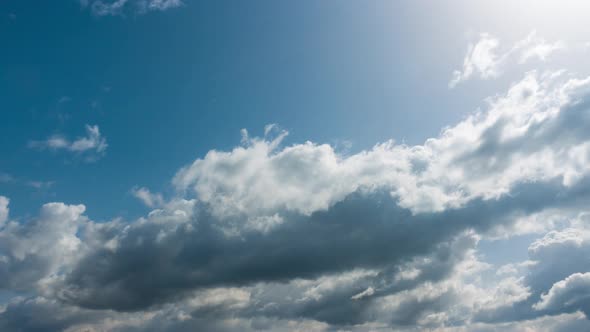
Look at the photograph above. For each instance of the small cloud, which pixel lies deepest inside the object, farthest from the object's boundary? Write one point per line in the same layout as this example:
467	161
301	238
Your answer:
162	4
95	104
366	293
4	201
93	142
64	99
120	7
485	61
148	198
40	184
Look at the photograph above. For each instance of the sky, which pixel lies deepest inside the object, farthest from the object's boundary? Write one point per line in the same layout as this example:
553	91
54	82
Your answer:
178	165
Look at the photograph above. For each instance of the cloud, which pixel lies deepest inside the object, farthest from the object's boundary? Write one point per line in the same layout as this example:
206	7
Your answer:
4	177
64	99
120	7
93	145
3	210
40	184
570	294
483	59
268	236
554	257
32	251
148	198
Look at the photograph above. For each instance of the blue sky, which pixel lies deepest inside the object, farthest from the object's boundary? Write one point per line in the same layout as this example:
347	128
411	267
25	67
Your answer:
201	131
169	86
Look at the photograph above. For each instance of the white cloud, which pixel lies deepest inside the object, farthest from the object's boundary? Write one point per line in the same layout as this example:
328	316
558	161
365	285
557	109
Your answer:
93	143
148	198
366	293
40	247
570	294
483	59
4	177
313	239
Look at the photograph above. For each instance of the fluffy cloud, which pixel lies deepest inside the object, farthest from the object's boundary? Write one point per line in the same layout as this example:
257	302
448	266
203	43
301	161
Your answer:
521	139
39	248
148	198
93	146
267	236
481	59
570	294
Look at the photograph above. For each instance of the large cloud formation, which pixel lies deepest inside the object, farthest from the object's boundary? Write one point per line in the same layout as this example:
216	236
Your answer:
300	237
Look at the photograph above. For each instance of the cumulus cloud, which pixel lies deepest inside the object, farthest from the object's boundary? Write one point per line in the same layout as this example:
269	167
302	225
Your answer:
554	258
482	157
93	145
481	59
486	61
570	294
534	46
268	236
120	7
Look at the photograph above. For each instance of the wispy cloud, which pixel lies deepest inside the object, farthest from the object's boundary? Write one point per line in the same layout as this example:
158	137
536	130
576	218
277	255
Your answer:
120	7
93	143
3	209
147	197
486	61
40	184
36	184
